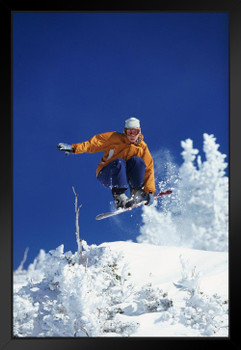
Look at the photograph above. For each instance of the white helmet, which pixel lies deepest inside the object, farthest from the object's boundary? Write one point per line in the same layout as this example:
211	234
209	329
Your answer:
132	123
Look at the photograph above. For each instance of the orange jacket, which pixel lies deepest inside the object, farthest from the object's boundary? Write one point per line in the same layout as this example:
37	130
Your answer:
116	145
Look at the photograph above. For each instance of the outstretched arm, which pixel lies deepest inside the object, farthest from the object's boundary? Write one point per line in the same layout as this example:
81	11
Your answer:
149	182
97	143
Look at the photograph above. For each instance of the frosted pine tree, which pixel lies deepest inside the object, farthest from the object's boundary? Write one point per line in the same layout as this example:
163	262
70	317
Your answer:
198	214
203	191
211	221
188	194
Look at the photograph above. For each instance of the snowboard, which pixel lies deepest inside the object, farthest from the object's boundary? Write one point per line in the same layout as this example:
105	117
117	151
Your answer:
123	210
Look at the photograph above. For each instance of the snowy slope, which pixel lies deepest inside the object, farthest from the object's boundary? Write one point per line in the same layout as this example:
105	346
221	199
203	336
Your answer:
123	289
161	265
173	282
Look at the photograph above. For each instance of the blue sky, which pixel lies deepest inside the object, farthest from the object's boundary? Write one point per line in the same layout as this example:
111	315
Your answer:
79	74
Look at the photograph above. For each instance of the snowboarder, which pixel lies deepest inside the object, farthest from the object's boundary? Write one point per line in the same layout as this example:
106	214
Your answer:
126	163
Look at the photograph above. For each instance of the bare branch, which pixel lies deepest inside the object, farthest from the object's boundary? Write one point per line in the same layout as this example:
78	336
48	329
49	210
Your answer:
79	241
86	263
20	268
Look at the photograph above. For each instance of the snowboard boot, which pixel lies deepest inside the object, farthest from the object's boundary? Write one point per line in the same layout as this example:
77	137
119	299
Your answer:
120	198
138	195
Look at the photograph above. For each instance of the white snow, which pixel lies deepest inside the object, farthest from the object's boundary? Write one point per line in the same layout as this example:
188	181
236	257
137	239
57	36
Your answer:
196	214
172	283
127	289
161	264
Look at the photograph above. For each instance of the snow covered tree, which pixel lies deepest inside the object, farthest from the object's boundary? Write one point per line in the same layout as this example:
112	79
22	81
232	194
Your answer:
204	195
208	313
197	212
67	300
